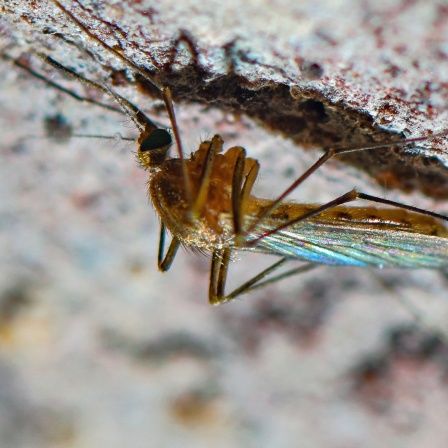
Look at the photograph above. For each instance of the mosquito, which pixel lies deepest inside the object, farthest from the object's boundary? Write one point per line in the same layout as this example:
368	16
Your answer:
206	203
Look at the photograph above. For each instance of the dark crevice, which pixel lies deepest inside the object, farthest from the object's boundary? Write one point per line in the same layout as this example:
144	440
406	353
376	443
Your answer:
311	121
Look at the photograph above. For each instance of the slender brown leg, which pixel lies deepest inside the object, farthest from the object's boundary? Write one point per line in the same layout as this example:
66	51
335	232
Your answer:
218	276
222	273
218	267
255	282
325	158
164	262
220	259
252	168
237	183
240	190
368	197
215	146
240	193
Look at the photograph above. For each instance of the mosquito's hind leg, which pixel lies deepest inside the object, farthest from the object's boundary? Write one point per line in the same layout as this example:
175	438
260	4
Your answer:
329	154
218	277
421	211
164	261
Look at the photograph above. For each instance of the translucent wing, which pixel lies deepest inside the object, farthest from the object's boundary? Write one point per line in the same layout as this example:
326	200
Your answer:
357	237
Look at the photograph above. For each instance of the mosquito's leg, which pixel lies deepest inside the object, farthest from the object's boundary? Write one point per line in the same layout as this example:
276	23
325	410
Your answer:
252	167
164	262
214	147
108	48
168	100
329	154
240	193
218	276
166	92
244	169
251	285
255	282
368	197
237	183
351	196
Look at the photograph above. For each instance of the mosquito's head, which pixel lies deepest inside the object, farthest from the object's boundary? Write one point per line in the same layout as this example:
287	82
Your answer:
153	147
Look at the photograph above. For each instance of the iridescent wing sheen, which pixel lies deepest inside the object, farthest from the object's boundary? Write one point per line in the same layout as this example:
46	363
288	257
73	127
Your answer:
354	242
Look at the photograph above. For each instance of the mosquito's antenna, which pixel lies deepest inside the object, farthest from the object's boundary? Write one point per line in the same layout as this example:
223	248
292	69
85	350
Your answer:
131	111
57	86
117	137
166	93
120	100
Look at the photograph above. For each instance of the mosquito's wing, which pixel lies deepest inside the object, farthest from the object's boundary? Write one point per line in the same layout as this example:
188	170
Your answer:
399	239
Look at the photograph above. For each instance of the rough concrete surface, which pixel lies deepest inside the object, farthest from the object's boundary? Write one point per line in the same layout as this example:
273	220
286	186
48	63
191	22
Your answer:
97	348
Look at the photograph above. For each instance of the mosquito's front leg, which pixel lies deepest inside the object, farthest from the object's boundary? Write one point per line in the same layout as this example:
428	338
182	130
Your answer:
218	276
164	262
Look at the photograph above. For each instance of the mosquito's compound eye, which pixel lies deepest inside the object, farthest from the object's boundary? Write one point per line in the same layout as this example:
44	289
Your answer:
158	139
154	147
